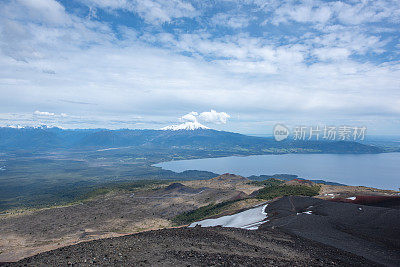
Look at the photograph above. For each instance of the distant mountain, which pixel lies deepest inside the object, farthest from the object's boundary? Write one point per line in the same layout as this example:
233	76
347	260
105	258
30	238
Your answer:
194	139
186	126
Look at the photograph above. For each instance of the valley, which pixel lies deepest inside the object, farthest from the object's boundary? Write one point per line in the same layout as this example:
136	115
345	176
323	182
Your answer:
43	167
65	192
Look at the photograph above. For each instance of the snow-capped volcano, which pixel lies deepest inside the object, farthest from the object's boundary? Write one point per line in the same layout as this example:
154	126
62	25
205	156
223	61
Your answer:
190	125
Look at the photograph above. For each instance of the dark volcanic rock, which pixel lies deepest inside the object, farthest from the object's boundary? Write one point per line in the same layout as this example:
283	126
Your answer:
174	186
198	247
178	188
370	232
302	231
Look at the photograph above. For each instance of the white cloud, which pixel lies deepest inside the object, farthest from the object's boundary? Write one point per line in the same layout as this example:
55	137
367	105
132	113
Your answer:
192	117
352	40
151	11
74	121
367	11
50	114
160	11
39	30
346	12
43	113
116	4
211	116
232	21
160	75
305	12
214	117
336	54
48	11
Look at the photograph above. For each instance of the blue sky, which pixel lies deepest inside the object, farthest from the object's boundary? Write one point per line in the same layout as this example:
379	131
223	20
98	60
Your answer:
145	64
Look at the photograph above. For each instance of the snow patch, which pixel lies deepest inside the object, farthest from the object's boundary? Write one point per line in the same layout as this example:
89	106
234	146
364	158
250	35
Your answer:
16	126
186	126
40	126
309	212
249	219
352	198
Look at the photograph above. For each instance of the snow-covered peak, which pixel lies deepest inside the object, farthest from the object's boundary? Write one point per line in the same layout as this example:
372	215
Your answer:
186	126
41	126
15	126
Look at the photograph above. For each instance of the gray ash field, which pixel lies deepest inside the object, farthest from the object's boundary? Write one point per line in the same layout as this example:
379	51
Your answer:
367	231
147	226
198	247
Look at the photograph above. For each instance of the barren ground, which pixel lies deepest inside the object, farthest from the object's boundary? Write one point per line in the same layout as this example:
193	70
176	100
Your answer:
119	213
122	213
199	247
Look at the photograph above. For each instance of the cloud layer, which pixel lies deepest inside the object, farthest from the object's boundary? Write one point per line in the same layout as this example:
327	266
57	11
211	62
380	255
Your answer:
214	117
43	113
260	61
211	116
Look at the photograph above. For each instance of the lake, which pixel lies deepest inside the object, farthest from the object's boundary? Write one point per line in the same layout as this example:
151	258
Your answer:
375	170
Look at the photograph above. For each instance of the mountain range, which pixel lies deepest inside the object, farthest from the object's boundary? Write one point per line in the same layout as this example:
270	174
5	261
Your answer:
43	138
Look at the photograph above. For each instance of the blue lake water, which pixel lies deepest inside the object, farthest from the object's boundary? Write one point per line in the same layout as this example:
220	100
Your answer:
375	170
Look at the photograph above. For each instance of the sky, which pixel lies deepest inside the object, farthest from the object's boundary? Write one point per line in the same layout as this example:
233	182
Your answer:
239	66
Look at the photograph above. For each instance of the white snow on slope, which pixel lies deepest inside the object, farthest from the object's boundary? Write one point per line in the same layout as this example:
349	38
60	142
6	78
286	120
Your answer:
305	212
190	125
40	126
249	219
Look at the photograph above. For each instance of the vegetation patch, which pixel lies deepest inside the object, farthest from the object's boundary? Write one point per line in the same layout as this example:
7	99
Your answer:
270	192
124	186
202	212
268	182
77	194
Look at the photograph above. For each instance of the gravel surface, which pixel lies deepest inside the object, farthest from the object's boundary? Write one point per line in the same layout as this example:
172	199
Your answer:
367	231
198	247
113	214
302	231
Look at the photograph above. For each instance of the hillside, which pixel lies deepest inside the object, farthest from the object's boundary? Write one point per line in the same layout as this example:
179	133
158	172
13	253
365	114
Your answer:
198	247
122	209
300	231
372	232
200	139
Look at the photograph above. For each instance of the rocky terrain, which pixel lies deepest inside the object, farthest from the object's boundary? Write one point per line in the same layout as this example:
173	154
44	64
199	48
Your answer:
299	230
226	181
199	247
115	214
341	191
371	232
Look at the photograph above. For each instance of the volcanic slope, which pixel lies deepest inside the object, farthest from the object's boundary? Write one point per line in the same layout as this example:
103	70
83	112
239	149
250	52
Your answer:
198	247
367	231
